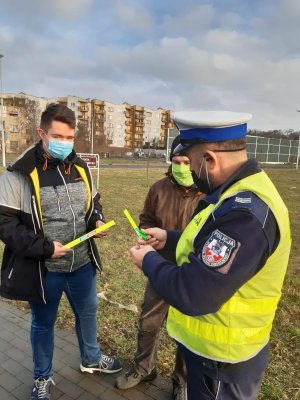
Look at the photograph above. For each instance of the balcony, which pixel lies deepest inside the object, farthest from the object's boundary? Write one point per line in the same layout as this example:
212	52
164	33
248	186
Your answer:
83	108
99	110
138	136
83	116
100	118
139	108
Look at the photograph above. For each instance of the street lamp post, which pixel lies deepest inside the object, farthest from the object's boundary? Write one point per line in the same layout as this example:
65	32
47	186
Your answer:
298	155
1	118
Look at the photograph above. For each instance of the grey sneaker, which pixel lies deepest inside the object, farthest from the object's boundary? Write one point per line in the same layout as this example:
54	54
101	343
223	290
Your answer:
108	365
179	391
132	378
41	389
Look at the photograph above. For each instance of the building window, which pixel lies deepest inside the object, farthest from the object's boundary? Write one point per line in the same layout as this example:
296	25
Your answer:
73	105
110	109
110	125
14	145
13	128
110	117
149	114
148	121
13	114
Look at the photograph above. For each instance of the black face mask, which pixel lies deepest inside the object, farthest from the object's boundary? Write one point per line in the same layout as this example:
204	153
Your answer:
203	184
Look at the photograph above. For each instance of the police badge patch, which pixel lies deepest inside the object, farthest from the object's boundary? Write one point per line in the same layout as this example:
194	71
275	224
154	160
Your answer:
217	249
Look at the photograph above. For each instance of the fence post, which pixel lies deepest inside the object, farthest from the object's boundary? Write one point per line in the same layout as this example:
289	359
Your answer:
268	150
255	151
298	154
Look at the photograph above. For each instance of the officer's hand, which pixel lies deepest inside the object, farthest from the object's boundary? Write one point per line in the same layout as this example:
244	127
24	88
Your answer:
157	238
59	250
100	234
138	253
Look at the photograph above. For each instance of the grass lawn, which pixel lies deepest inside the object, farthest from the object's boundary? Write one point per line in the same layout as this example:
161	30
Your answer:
123	283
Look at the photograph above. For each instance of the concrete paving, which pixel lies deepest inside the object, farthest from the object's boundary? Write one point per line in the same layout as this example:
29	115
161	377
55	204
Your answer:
16	367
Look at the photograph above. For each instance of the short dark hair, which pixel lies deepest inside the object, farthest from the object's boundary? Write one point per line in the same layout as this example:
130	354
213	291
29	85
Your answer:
230	144
57	112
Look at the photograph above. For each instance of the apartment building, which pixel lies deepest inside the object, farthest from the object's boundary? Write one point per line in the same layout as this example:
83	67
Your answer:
100	124
115	124
82	109
21	116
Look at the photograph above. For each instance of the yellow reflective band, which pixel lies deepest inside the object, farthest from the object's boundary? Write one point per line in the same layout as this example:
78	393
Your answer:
215	333
130	219
88	235
85	179
36	183
251	306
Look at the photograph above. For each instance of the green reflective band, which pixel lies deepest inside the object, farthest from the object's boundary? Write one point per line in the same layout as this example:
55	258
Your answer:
141	234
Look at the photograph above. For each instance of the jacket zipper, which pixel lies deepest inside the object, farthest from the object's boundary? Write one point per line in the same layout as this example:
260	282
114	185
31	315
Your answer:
57	198
72	213
92	208
35	210
34	227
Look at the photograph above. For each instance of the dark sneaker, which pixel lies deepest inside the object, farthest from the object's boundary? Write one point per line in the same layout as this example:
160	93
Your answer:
41	389
108	365
132	378
179	391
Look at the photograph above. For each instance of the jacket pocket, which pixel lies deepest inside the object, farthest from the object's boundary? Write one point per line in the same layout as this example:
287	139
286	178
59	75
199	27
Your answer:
10	267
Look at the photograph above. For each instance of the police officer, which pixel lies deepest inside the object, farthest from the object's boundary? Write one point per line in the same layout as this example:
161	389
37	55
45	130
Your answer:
231	261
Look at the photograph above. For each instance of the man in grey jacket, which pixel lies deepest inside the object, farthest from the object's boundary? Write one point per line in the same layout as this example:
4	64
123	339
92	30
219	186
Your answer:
47	199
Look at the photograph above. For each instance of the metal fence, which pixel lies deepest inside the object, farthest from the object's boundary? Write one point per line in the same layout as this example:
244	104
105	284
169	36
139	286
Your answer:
265	150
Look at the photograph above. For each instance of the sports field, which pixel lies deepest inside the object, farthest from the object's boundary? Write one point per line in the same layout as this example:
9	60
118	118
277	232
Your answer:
124	284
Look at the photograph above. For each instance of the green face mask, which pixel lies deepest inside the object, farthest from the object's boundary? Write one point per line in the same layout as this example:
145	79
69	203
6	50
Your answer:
182	174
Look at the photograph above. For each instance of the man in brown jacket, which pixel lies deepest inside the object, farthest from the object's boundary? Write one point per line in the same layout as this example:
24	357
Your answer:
170	204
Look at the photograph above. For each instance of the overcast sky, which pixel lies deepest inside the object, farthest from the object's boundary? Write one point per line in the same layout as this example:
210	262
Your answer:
233	55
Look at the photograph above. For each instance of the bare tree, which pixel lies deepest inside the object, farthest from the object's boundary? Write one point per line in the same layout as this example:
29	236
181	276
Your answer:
29	121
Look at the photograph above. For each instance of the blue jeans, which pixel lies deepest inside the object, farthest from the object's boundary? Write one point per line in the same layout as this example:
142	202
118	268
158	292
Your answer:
80	289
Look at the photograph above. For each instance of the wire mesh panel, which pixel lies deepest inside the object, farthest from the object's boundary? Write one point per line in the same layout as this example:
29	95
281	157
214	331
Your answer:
272	150
172	133
265	150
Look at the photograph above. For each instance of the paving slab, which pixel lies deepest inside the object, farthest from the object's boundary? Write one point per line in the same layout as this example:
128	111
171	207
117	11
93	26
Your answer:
71	384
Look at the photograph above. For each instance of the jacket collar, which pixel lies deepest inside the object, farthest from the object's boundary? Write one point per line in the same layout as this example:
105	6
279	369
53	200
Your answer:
32	156
250	167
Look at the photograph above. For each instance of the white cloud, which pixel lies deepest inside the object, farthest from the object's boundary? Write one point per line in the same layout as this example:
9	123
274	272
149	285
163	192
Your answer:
69	9
208	57
134	17
190	24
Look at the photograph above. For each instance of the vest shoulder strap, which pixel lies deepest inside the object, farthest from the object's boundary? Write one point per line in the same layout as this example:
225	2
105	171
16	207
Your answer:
244	201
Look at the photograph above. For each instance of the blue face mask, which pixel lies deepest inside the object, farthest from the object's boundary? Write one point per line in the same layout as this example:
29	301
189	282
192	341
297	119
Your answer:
60	149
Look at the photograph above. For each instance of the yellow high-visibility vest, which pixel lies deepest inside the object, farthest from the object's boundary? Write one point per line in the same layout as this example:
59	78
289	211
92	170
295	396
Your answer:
241	327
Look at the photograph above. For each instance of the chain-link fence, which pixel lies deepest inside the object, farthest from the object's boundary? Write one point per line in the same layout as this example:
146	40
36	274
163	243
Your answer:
265	150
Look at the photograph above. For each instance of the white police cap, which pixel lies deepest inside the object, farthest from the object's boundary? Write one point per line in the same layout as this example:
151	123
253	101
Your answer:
209	126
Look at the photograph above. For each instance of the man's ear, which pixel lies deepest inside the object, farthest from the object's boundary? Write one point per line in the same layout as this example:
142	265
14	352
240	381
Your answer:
40	133
211	159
